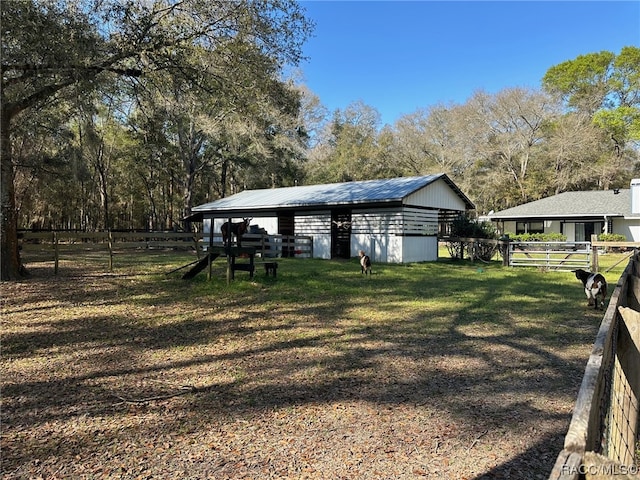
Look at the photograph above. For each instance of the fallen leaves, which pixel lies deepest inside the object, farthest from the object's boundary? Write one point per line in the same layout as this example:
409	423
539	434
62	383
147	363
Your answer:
122	377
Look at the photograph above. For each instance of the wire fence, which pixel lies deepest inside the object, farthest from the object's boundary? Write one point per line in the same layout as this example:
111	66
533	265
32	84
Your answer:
602	438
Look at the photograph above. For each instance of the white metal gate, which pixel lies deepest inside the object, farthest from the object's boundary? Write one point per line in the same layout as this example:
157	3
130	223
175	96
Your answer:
551	255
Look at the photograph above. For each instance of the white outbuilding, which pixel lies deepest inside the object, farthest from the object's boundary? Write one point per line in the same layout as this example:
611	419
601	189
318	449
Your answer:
394	220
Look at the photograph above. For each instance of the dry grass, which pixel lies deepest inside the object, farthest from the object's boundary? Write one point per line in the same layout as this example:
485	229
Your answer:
441	370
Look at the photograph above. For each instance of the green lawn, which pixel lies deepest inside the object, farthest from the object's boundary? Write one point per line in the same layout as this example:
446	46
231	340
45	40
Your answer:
431	370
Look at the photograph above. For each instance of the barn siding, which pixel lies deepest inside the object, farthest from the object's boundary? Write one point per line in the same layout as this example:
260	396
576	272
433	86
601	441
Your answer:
436	195
395	235
420	249
395	221
317	225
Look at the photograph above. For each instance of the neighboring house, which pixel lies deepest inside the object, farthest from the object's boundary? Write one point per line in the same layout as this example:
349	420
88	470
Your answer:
394	220
578	215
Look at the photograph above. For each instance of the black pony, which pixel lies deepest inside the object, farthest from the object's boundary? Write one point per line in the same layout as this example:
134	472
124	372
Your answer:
238	229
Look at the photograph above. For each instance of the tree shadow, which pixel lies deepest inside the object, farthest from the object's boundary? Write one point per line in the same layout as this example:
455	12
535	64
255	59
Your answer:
489	369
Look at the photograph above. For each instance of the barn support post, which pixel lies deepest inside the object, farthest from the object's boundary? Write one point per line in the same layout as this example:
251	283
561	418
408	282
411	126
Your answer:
210	261
228	251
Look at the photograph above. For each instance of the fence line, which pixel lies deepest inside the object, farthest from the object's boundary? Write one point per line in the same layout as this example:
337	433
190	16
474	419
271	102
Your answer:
61	243
603	433
550	255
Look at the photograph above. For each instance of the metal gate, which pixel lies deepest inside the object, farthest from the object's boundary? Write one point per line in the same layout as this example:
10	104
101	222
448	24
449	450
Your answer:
550	255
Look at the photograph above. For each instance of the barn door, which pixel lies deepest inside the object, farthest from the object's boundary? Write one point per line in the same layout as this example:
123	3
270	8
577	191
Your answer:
341	234
286	228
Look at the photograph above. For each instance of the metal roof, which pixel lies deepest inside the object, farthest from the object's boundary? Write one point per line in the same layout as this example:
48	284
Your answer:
332	194
573	204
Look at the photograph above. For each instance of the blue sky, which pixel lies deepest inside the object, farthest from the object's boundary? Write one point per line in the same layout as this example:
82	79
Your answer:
399	56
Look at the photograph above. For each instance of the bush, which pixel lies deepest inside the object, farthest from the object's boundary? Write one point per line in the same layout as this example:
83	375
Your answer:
464	227
538	237
612	237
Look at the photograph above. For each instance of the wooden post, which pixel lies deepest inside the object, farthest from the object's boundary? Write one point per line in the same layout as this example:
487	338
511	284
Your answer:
110	246
506	250
210	261
55	253
594	254
228	249
195	242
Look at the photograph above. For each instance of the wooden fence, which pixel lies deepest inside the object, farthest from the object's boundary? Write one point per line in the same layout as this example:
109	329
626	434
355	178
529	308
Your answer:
603	434
269	245
59	244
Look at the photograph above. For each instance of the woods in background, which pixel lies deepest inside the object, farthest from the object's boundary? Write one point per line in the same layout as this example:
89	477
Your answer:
124	115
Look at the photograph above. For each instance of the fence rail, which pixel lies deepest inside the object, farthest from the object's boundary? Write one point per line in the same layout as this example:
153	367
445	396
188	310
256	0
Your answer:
269	245
550	255
603	433
59	244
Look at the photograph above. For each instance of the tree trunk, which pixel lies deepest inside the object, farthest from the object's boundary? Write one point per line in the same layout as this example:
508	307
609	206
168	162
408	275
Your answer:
187	194
223	178
10	264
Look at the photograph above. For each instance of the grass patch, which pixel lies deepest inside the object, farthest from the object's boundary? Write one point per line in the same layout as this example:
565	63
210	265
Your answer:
446	369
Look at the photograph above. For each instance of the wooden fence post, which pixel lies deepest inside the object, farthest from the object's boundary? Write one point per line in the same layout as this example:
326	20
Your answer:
195	242
56	253
594	254
506	251
110	247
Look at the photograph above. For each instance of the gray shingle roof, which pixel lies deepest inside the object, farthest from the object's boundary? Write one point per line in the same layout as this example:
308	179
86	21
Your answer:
573	204
332	194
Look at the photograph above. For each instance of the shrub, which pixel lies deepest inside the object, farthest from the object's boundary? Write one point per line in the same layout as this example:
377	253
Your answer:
538	237
612	237
464	227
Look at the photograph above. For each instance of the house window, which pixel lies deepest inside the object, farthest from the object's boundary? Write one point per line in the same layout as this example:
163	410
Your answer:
529	227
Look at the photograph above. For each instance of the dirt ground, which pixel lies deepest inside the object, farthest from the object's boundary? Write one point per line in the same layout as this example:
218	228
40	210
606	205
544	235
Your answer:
104	378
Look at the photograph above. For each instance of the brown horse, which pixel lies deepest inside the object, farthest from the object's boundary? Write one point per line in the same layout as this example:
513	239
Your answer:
238	229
